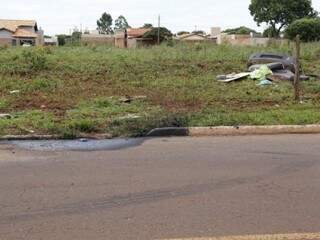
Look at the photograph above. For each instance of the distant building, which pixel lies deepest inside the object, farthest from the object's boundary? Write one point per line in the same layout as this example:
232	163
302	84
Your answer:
94	38
133	38
253	39
195	38
20	32
136	38
51	41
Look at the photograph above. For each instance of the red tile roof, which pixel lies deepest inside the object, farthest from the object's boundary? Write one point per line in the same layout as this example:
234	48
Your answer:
137	32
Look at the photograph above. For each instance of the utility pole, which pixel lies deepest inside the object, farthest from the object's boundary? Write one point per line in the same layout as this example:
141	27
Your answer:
159	24
296	82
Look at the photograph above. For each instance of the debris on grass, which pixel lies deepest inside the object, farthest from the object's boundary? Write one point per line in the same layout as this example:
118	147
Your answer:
264	82
14	91
129	116
261	73
5	116
129	99
232	77
266	67
266	58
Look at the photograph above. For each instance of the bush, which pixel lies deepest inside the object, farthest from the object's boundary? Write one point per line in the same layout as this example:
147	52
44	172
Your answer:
35	58
307	28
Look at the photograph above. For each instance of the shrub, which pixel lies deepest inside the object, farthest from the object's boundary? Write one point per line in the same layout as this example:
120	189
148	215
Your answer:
35	59
307	28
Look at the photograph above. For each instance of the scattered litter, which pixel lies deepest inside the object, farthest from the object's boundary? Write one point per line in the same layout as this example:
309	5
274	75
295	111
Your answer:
267	68
304	78
129	116
266	58
261	73
14	91
281	75
129	99
232	77
27	130
264	83
271	66
5	116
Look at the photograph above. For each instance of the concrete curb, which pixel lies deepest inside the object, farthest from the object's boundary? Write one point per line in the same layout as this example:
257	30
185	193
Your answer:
235	131
193	132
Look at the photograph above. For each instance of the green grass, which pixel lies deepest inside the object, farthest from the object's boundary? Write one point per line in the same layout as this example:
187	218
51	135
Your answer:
74	90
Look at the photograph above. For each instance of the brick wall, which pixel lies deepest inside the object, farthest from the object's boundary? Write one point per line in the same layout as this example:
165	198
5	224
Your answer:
97	39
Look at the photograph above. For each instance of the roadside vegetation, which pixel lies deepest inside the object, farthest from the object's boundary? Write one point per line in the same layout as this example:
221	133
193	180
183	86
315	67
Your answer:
72	91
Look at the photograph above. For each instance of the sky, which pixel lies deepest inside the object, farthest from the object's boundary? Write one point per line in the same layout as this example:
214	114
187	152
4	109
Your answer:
59	16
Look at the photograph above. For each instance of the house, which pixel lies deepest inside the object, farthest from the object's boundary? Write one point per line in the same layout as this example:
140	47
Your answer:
136	39
133	38
51	41
20	32
194	38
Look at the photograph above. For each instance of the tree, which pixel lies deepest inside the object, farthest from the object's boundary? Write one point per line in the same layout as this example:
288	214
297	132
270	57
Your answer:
199	32
240	30
76	36
165	34
147	25
182	33
61	39
121	23
280	13
307	28
105	24
270	32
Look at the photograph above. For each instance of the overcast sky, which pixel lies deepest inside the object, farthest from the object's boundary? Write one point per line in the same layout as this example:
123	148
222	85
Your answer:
59	16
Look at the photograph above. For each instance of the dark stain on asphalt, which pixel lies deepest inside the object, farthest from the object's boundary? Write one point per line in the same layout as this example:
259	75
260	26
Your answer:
77	145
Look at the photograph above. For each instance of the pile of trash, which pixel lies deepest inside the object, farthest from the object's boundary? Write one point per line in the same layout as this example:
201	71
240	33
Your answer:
267	68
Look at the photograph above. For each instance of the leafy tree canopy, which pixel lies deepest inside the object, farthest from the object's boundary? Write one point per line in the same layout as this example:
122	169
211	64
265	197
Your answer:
165	34
280	13
270	32
239	30
307	28
182	33
200	32
147	25
121	23
105	24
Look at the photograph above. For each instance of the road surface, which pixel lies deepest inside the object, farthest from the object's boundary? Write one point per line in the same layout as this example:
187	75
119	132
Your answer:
163	188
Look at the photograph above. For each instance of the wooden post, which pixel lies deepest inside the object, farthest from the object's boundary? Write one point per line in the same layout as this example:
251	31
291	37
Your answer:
125	38
159	29
296	82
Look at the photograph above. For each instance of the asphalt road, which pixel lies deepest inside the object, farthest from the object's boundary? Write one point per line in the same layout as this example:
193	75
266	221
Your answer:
163	188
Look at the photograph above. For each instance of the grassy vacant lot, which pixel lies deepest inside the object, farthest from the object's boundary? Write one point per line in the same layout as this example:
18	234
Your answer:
74	90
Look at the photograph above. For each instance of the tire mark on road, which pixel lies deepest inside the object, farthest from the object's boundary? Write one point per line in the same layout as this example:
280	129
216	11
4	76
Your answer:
120	201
